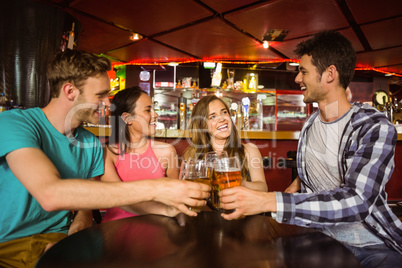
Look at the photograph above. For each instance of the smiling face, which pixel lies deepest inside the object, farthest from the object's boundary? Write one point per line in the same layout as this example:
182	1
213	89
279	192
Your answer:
310	80
219	121
93	96
143	120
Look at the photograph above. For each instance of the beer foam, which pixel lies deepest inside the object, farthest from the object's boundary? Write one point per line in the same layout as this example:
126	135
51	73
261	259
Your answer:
228	170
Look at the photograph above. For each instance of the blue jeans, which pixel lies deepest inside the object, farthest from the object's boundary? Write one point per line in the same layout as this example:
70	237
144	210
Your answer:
377	256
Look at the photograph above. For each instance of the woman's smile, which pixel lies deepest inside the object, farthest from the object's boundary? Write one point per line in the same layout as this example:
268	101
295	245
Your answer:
223	127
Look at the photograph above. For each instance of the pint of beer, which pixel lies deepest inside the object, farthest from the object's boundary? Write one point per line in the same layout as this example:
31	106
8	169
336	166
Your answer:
228	179
210	158
227	173
195	171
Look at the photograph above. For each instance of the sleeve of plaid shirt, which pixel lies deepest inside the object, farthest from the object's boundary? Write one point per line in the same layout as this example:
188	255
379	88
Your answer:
369	156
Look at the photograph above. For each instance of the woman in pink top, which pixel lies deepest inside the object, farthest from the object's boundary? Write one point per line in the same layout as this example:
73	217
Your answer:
132	155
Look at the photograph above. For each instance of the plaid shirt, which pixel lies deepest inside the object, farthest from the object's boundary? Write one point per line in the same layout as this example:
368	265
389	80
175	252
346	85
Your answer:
366	162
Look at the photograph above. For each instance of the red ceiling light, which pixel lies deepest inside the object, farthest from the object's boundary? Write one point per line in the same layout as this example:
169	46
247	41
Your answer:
205	60
393	73
377	70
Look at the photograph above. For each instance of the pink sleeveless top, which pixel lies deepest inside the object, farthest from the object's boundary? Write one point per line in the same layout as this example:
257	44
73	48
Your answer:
135	167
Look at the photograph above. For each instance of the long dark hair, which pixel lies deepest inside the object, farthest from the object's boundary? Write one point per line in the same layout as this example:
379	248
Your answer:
201	139
123	102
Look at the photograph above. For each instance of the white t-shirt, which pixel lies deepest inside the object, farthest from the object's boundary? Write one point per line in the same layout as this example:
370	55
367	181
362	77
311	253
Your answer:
323	139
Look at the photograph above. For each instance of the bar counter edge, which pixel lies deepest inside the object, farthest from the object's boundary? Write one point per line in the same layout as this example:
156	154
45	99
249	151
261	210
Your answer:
277	146
177	133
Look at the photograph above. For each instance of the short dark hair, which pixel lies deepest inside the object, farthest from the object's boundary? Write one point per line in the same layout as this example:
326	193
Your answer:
330	48
74	66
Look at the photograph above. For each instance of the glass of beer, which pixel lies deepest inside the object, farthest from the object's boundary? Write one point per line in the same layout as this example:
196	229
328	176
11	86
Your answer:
228	174
195	171
210	158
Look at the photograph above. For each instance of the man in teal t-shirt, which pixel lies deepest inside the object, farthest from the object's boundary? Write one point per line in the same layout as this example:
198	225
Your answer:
46	159
20	218
41	145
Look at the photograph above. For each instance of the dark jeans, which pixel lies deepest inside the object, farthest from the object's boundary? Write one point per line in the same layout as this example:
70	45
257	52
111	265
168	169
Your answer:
377	256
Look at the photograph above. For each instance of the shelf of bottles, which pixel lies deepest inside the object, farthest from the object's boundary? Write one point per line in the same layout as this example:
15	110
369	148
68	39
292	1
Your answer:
262	110
176	90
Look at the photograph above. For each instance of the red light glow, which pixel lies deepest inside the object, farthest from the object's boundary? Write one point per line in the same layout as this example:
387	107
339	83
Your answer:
360	68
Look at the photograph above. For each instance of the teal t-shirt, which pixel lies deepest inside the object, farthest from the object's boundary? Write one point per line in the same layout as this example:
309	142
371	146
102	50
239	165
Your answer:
78	157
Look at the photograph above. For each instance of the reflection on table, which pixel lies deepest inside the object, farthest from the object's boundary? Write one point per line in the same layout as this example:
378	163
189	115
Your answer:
204	241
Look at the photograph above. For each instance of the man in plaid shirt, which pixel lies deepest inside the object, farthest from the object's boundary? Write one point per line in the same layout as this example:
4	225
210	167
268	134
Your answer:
345	158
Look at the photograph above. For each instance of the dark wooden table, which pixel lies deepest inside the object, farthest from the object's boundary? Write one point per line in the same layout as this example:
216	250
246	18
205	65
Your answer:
204	241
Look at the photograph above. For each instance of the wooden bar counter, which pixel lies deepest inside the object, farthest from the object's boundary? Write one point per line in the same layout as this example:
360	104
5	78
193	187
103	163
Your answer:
203	241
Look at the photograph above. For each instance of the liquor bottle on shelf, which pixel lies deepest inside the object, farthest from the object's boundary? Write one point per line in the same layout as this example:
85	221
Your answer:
239	120
179	85
182	109
217	76
246	106
260	111
233	112
224	85
71	35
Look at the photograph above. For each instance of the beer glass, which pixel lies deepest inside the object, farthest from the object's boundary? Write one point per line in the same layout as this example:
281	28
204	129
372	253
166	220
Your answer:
195	171
228	174
210	158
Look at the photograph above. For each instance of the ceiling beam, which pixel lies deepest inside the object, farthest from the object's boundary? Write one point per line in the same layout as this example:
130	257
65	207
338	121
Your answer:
352	23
